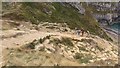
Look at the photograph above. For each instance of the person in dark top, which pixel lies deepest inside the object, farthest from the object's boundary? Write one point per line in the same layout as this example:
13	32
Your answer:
82	30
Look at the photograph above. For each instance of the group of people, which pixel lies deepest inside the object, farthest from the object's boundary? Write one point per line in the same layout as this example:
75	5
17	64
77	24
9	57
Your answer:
80	31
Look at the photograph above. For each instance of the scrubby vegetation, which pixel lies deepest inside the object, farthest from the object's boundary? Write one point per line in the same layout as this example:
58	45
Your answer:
64	41
32	44
67	41
42	40
90	41
82	58
55	13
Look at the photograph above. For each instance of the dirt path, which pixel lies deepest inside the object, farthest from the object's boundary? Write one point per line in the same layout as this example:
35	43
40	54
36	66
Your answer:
26	38
23	39
32	35
20	40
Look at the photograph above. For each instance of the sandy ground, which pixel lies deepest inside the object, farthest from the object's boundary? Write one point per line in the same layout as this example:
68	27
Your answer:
12	42
29	37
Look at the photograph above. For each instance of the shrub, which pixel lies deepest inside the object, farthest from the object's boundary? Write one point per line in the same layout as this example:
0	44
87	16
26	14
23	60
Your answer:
64	41
32	44
67	41
100	49
55	41
83	58
78	56
90	41
42	40
83	49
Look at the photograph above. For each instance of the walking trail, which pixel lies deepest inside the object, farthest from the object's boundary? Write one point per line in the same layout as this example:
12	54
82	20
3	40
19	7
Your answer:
27	37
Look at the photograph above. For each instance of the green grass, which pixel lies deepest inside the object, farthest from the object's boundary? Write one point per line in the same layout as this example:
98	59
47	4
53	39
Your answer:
36	13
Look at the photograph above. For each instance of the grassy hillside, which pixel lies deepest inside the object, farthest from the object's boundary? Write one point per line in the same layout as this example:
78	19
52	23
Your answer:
55	13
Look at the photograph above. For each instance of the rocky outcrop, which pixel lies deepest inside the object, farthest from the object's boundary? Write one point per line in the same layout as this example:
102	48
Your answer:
79	7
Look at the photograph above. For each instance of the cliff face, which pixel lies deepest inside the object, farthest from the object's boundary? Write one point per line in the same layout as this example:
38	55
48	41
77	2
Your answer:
79	7
73	14
106	11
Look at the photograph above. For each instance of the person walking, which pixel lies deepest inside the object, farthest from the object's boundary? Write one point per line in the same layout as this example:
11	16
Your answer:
78	32
82	30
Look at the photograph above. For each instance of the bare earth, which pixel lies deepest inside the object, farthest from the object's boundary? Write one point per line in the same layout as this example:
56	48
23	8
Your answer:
13	42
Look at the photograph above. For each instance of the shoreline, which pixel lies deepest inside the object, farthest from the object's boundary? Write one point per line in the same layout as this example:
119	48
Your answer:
113	34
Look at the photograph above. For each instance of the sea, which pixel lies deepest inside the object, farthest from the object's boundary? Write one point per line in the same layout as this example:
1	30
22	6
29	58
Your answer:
116	27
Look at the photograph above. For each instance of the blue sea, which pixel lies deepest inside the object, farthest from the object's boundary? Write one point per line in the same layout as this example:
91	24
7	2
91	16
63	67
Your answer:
116	27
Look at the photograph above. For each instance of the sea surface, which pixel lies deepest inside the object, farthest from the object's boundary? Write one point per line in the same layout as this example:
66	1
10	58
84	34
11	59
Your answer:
116	27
